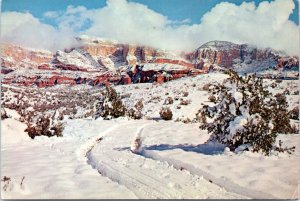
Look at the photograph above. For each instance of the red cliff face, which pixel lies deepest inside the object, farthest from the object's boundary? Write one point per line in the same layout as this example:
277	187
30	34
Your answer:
172	61
96	61
227	55
126	54
15	56
287	62
53	80
220	53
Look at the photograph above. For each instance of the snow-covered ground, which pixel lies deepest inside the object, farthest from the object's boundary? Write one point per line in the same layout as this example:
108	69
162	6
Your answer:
93	158
188	89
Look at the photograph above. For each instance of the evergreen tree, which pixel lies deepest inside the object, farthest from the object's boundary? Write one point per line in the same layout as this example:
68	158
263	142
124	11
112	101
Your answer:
244	114
281	117
110	104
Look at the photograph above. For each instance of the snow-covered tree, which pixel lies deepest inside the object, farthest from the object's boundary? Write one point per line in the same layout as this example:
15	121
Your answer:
243	114
109	105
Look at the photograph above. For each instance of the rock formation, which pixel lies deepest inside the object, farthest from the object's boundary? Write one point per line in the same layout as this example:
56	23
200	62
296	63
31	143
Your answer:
98	62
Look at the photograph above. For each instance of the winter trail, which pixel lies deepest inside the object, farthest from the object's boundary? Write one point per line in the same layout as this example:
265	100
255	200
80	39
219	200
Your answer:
145	177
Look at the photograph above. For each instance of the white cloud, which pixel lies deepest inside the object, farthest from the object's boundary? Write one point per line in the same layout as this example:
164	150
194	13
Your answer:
51	14
24	29
265	25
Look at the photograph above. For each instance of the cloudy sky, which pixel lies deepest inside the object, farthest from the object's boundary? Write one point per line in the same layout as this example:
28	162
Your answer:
181	25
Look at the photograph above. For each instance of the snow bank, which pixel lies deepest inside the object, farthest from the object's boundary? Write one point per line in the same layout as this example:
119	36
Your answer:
13	132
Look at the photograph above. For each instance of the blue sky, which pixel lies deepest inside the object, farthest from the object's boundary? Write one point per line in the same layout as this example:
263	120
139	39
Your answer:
173	9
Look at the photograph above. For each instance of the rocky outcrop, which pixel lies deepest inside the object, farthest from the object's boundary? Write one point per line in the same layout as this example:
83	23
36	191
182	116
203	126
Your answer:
171	61
14	56
45	67
5	70
75	60
70	67
51	81
123	54
99	62
287	63
225	54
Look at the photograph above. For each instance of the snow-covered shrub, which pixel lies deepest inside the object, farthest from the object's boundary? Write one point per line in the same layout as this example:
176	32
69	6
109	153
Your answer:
3	114
136	112
154	99
274	85
45	126
284	149
185	93
41	128
286	92
294	113
186	120
6	180
212	98
206	87
109	105
89	113
184	102
183	119
57	129
243	114
126	95
166	113
169	101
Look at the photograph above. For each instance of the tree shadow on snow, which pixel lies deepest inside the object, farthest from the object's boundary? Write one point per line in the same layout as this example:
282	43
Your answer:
207	149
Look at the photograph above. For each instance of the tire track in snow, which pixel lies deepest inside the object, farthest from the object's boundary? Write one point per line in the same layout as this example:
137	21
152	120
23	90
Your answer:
84	151
89	145
105	168
223	182
122	177
145	177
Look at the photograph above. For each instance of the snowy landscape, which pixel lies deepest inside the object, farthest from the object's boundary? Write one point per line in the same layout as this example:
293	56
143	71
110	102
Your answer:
96	105
93	159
